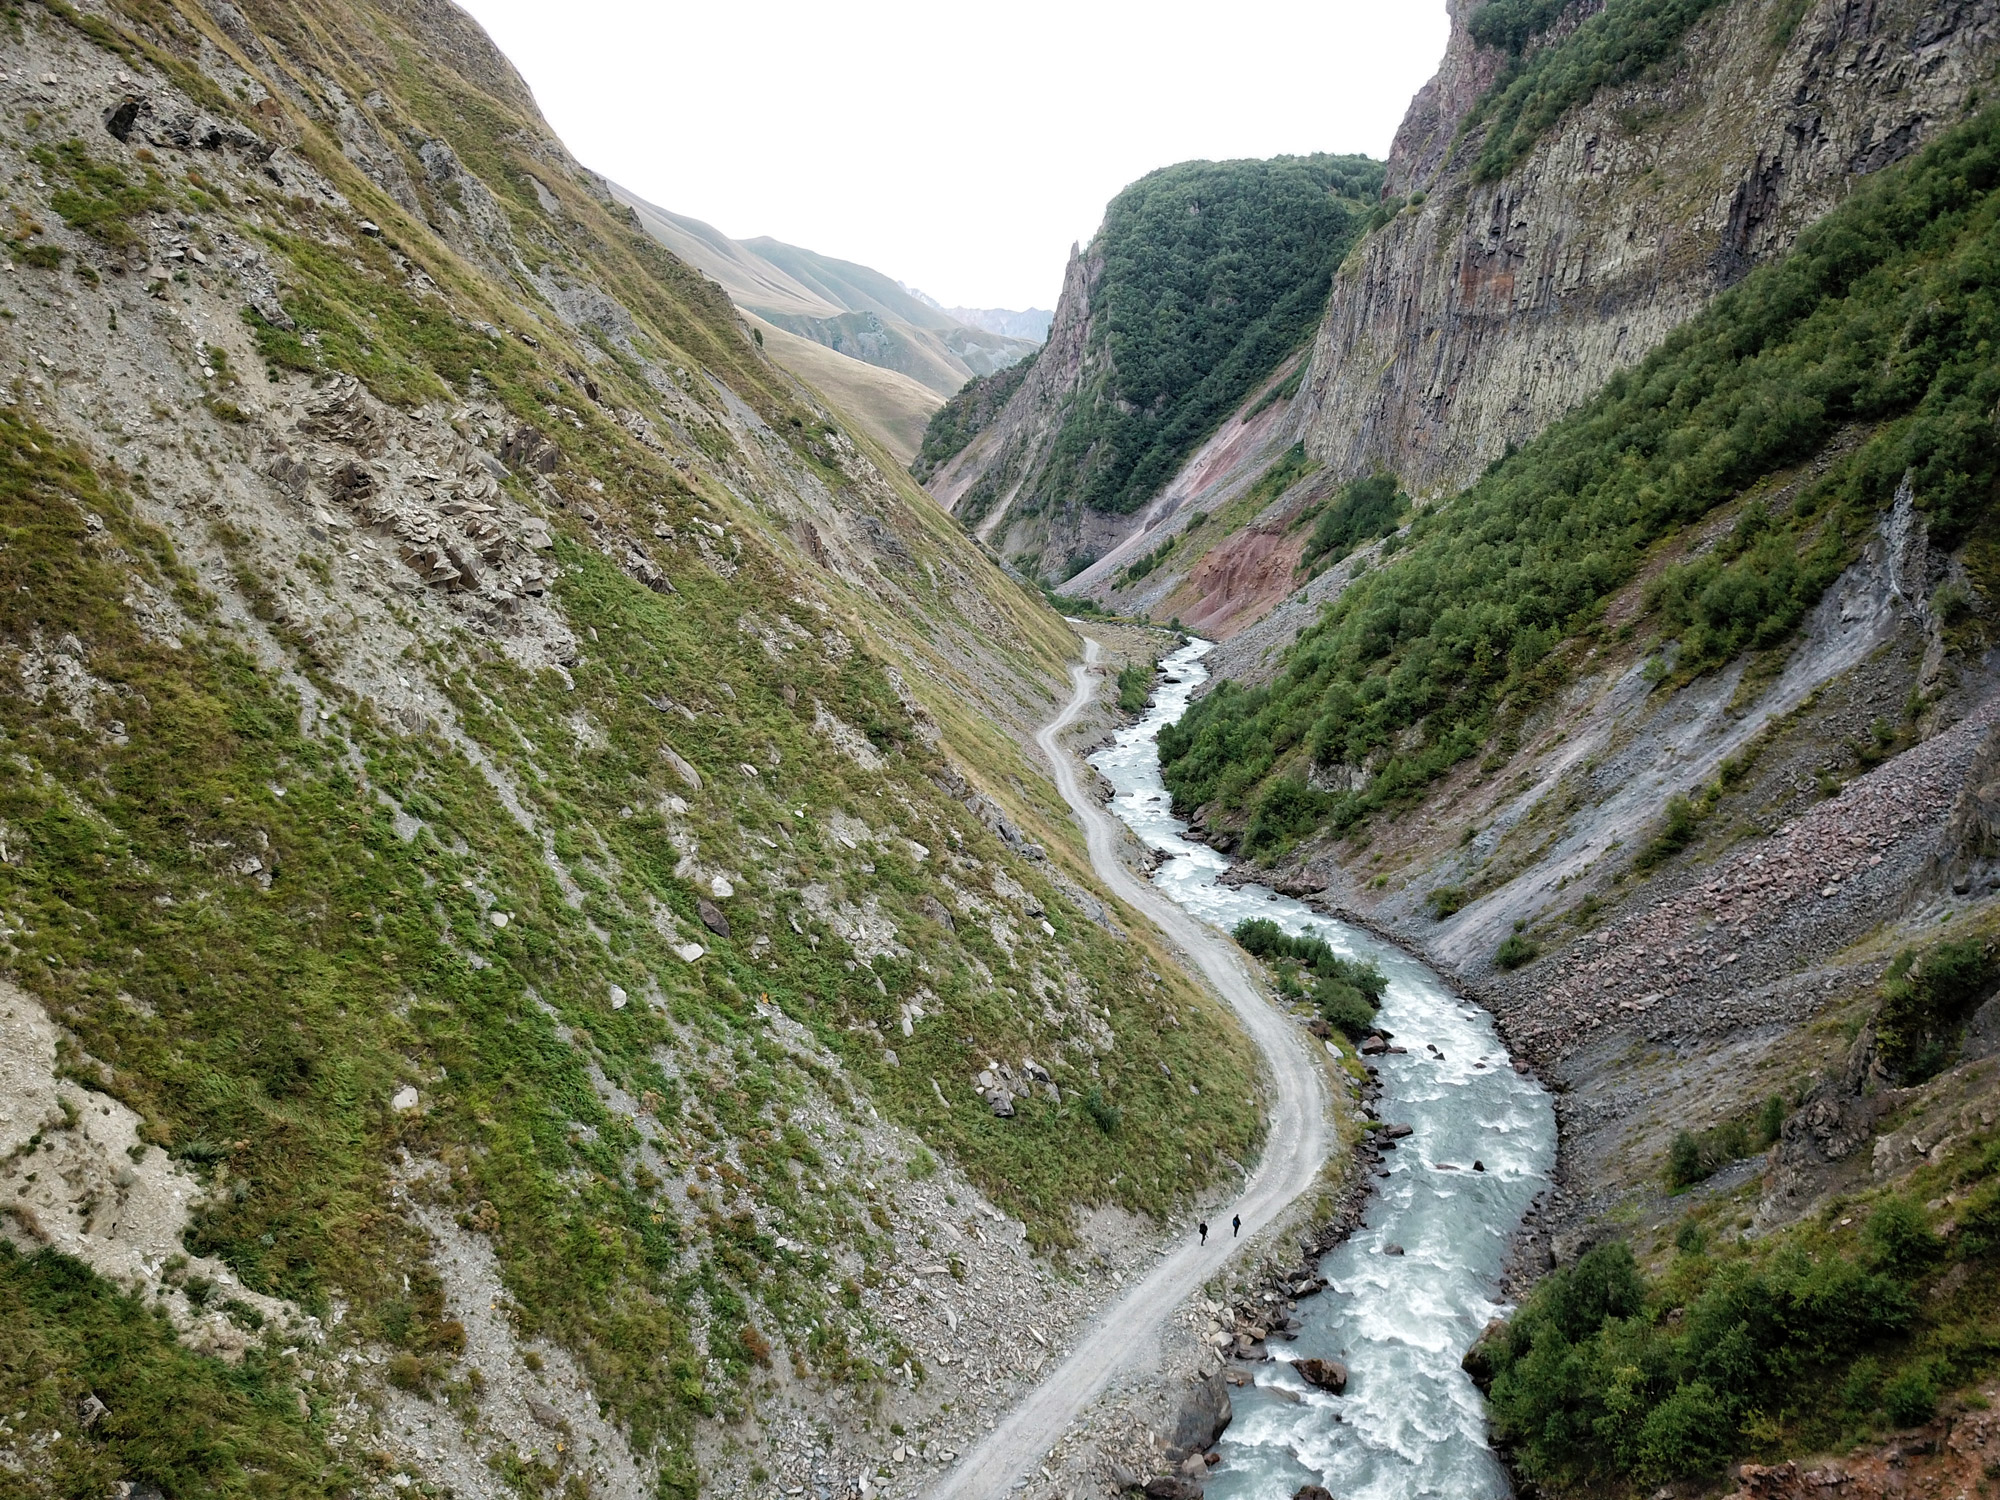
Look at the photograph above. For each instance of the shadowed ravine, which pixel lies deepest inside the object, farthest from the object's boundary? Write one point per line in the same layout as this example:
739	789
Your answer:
1411	1424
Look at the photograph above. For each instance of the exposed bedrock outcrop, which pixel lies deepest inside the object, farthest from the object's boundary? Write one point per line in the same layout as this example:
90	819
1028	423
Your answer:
1482	314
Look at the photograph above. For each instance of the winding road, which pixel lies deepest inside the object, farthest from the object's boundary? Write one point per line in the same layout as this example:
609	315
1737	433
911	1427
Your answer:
1294	1151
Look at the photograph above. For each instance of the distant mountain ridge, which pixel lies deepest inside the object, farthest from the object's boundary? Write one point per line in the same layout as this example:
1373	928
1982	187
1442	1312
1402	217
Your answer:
920	353
1030	323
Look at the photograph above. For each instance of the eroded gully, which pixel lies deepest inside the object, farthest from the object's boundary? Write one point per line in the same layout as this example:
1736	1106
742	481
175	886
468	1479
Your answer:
1411	1289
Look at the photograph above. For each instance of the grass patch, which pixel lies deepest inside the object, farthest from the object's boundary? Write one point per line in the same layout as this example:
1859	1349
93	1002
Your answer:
185	1422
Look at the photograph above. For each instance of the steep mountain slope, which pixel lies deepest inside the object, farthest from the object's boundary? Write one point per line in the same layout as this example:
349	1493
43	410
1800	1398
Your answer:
1531	263
849	308
527	931
1673	735
1203	279
1577	181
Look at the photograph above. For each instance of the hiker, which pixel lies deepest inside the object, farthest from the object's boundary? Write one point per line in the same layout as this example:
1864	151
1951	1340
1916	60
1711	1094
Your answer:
1204	1231
1235	1225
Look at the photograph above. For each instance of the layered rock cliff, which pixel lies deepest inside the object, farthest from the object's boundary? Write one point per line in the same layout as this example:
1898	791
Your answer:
1488	309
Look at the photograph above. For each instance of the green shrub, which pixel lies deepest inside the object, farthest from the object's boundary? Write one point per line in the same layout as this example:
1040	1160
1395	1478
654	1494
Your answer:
1771	1121
1145	565
1899	1238
1926	1002
1517	950
1911	1398
1348	993
1103	1114
1289	810
1445	901
1135	686
1612	47
1591	1384
1693	1157
1362	512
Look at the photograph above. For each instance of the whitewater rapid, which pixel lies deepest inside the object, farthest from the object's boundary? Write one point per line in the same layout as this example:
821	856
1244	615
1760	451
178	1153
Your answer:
1411	1423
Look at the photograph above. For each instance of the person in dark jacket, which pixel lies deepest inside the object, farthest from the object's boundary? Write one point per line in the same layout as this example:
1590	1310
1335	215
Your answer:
1235	1225
1204	1231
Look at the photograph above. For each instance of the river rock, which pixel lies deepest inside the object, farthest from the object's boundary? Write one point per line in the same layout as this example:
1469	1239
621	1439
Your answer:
1204	1416
1478	1361
1328	1375
1397	1132
1313	1492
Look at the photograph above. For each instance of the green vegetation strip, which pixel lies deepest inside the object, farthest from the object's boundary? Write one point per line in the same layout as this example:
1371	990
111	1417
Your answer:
1878	325
1346	992
1614	46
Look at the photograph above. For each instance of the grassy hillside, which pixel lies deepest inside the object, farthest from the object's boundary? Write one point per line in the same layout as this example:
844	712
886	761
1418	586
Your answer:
892	408
1875	329
647	857
1213	273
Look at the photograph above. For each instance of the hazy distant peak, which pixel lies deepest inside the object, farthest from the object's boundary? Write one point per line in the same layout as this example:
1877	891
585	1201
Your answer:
1031	324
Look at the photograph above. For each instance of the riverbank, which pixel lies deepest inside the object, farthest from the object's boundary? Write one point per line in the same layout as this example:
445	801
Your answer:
1416	1284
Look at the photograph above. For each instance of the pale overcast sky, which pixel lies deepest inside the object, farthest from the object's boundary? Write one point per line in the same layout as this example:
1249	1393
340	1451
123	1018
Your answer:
959	148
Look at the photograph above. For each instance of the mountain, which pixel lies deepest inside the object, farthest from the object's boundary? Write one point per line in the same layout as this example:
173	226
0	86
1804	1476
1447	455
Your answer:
1204	278
1609	616
518	841
1033	324
861	314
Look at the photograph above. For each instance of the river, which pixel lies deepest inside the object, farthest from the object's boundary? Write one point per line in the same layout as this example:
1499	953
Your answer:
1411	1423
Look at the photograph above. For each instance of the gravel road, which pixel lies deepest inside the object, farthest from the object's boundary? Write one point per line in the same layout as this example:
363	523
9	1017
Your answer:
1295	1150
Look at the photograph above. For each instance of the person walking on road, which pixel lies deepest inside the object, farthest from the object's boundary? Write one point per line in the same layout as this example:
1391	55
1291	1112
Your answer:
1235	1225
1204	1231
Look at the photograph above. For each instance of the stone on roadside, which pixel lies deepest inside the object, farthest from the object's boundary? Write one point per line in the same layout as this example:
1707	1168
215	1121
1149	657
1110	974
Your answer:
1204	1417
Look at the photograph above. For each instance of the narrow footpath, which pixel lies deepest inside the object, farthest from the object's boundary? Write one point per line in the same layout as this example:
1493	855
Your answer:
1294	1151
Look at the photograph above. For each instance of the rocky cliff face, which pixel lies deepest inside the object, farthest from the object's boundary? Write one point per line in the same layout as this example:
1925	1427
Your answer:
979	486
1480	315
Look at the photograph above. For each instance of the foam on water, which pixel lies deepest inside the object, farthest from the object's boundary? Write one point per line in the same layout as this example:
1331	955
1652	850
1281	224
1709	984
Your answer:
1411	1424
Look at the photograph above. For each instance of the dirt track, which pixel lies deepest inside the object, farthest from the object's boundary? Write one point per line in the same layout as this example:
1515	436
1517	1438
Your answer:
1294	1152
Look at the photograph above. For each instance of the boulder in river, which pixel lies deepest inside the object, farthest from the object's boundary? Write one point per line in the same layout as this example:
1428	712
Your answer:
1205	1415
1313	1492
1478	1361
1326	1374
1397	1132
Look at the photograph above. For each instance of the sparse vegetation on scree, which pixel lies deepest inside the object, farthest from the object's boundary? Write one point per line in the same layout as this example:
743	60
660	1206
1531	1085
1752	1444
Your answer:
259	907
1876	327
